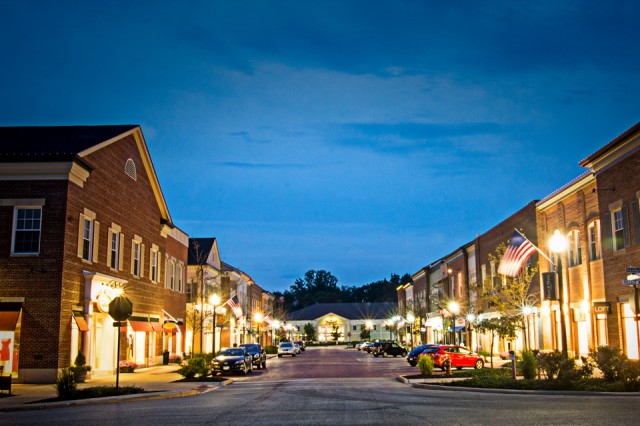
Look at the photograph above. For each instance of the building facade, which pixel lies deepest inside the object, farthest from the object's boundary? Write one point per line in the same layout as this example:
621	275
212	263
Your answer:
82	220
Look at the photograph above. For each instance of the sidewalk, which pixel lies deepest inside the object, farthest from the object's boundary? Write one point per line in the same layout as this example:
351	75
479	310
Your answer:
158	380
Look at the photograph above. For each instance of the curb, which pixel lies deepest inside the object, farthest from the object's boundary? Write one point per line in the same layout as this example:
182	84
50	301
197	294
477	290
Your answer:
148	396
512	391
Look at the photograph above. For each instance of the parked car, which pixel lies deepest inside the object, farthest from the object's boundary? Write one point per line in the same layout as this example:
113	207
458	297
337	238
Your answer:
368	347
361	345
286	348
301	344
459	356
232	360
389	348
258	355
296	346
414	354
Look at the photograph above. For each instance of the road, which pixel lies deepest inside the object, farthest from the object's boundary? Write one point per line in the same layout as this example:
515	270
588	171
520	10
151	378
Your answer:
344	387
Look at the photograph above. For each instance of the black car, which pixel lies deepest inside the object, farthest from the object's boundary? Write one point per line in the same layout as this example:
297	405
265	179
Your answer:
258	355
232	360
389	348
414	354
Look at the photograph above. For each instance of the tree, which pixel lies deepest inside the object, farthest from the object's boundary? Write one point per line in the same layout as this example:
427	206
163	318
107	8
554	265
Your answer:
336	333
309	332
365	333
507	296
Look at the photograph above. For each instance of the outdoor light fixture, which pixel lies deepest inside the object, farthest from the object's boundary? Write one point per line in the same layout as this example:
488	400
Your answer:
410	319
258	319
214	300
454	308
558	244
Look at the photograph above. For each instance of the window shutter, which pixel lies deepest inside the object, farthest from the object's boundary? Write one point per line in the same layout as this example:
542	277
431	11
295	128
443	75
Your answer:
606	228
80	235
133	245
636	221
120	264
625	223
96	239
141	260
159	267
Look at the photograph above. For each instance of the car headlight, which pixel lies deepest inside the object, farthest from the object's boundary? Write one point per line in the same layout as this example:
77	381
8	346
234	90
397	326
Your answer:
256	356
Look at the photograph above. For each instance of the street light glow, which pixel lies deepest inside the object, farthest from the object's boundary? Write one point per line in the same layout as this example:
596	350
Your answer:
558	243
410	317
214	300
454	308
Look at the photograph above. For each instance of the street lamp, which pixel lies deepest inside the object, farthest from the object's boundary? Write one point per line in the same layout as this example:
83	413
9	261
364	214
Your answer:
558	244
454	308
410	319
258	319
471	318
214	299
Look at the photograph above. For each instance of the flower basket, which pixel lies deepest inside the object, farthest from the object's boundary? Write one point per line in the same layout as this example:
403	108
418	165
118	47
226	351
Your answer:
127	366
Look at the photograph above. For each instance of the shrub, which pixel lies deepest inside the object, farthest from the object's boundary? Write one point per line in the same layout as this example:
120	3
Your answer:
271	349
549	363
529	365
613	364
66	384
175	359
425	364
195	366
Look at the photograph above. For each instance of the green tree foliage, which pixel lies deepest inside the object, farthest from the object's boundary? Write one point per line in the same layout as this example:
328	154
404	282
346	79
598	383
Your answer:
322	287
310	332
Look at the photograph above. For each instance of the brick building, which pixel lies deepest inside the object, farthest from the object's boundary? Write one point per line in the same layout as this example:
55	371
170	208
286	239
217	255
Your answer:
615	167
83	219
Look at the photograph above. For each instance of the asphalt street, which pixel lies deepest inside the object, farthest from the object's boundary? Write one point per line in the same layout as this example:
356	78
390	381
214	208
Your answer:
332	386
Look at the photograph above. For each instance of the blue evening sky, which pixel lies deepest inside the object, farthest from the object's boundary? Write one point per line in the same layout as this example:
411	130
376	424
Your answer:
360	137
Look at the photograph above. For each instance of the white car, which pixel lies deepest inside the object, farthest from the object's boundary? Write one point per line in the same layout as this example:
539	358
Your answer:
297	348
286	348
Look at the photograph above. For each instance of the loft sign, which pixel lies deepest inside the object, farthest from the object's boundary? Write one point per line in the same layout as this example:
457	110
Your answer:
602	307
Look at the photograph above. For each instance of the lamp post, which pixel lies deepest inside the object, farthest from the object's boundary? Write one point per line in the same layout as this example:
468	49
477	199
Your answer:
214	300
471	318
454	308
558	244
258	319
410	319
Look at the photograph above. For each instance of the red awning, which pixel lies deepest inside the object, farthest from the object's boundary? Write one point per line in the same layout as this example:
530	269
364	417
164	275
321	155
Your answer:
157	327
9	314
141	326
182	328
82	323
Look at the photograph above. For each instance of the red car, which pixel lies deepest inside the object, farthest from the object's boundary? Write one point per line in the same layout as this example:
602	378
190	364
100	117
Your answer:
459	356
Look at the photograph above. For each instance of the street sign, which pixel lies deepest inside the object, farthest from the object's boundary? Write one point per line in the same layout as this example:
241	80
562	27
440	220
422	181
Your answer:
630	282
633	270
549	285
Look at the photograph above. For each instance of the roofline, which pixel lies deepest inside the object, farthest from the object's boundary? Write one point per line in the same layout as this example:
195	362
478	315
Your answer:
587	162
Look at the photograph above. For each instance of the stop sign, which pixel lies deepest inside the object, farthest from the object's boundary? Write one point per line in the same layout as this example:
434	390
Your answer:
120	308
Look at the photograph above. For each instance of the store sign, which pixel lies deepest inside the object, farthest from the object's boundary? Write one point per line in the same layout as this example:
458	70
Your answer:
103	294
549	285
602	308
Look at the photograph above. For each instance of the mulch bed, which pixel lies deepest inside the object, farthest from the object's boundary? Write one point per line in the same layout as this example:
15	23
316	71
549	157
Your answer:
202	379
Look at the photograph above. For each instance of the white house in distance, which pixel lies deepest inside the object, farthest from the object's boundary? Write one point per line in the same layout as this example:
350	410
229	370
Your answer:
350	318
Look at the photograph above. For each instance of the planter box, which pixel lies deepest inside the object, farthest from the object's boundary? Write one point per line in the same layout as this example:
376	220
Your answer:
127	369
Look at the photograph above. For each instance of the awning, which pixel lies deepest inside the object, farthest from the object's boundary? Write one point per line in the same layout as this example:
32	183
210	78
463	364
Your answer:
458	328
157	327
9	314
141	326
82	323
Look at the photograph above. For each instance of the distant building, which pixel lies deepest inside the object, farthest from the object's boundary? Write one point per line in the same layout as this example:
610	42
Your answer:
349	319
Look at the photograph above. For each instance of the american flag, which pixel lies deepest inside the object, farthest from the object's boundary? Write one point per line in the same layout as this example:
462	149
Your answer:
268	320
234	304
517	253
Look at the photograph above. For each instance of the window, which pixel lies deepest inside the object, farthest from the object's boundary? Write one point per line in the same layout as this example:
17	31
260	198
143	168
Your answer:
27	225
114	259
88	236
618	230
153	266
179	277
594	240
170	275
575	252
136	258
355	328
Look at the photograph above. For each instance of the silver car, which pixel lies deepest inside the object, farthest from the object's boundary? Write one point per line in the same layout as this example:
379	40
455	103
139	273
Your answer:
286	348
